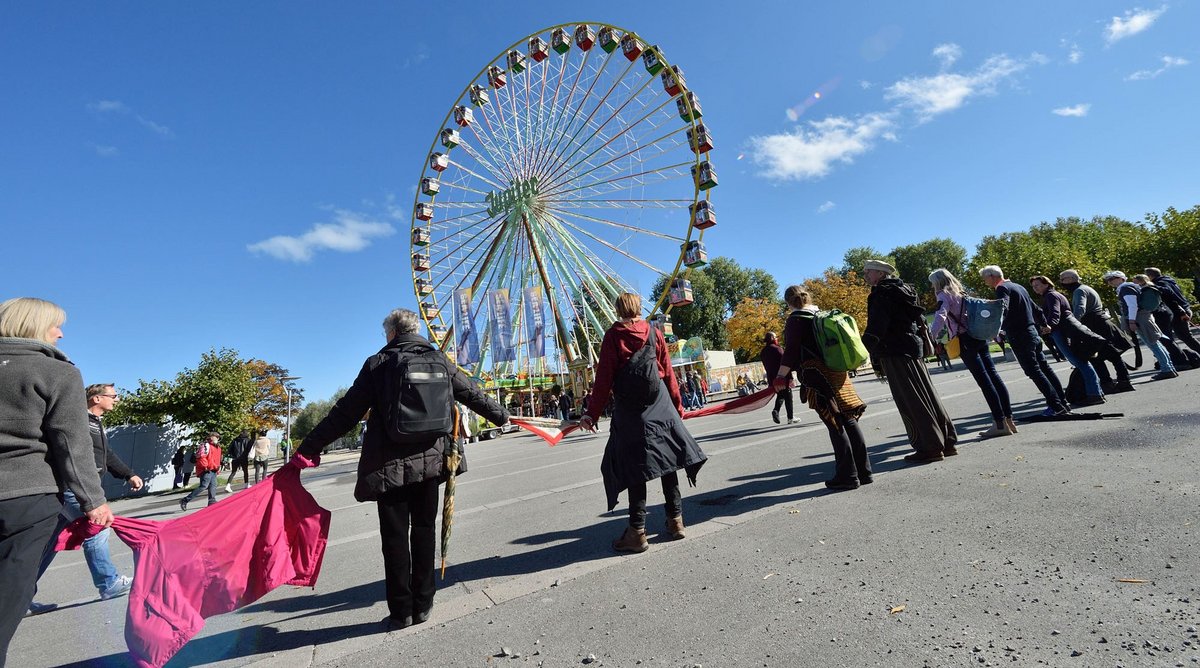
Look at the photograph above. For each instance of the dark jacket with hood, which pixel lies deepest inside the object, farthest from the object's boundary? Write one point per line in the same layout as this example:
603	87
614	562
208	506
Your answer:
44	442
385	465
894	314
1172	296
106	460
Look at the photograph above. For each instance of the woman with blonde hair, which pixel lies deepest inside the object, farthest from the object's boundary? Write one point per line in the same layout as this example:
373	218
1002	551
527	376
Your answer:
44	439
830	393
975	354
647	439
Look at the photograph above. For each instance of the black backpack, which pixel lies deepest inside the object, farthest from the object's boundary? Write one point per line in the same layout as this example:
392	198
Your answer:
420	398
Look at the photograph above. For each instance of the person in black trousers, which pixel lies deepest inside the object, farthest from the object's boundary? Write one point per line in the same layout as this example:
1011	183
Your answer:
1177	304
1022	335
771	356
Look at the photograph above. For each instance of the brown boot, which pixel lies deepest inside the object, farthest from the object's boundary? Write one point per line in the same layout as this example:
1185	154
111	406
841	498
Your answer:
675	527
633	540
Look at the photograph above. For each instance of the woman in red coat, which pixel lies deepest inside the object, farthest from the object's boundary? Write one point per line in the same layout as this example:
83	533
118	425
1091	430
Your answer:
647	439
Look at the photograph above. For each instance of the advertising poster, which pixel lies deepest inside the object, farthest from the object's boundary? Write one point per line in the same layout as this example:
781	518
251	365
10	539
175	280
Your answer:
501	323
535	322
466	350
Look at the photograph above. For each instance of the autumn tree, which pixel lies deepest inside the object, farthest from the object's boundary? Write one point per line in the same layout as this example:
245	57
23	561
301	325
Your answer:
846	293
271	395
750	321
704	317
215	396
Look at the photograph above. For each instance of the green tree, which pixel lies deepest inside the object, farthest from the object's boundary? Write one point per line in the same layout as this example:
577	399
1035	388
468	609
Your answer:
854	258
1091	247
704	317
215	396
1175	245
734	283
313	412
914	263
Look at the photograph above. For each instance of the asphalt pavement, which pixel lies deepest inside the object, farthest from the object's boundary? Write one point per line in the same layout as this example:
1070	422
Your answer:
1068	544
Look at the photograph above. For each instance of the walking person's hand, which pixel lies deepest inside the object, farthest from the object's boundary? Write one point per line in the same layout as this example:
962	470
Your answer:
587	424
135	483
101	515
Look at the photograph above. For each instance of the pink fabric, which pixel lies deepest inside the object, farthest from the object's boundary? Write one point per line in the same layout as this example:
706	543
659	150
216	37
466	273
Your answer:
213	561
744	404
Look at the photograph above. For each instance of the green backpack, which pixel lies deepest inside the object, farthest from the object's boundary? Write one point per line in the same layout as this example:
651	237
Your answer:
837	335
1149	299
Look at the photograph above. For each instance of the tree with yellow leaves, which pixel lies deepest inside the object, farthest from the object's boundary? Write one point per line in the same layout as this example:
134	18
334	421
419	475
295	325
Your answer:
844	292
751	319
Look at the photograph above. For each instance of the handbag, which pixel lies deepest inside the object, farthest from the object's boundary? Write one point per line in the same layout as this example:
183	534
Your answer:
953	347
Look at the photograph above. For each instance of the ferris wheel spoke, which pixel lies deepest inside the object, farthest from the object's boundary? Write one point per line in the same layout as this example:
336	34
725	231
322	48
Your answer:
620	226
614	114
600	103
504	151
462	259
461	230
579	107
448	253
479	157
560	112
464	168
628	177
555	178
618	203
613	247
493	151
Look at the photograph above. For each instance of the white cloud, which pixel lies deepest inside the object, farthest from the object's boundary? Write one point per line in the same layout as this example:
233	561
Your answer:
940	93
107	106
1075	55
1077	111
348	232
811	150
864	84
947	53
118	107
827	206
1134	21
1167	63
105	151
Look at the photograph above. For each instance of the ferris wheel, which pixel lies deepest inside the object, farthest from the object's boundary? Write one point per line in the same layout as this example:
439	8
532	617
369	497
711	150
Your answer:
573	167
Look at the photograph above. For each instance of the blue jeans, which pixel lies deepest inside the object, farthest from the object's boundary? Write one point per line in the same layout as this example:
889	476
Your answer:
977	358
208	481
1151	336
1091	382
95	549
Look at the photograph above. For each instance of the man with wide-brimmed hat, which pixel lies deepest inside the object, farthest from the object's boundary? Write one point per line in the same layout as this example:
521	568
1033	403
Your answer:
894	338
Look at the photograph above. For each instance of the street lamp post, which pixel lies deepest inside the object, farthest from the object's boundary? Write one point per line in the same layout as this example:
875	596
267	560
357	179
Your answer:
287	433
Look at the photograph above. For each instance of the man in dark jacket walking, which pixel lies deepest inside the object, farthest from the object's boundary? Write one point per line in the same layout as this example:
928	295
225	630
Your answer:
1088	309
772	357
239	457
402	478
1181	311
893	337
1021	331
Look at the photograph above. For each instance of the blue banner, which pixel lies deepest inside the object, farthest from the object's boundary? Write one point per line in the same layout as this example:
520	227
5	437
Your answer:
501	323
535	322
466	350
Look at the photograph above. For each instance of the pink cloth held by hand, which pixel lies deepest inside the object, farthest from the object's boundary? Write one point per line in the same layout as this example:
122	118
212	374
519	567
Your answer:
213	561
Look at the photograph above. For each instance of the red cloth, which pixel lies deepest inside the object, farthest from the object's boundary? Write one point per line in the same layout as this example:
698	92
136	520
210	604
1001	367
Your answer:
621	341
213	561
746	404
208	458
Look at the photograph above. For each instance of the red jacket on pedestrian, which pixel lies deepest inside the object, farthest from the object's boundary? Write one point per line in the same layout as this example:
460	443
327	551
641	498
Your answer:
208	458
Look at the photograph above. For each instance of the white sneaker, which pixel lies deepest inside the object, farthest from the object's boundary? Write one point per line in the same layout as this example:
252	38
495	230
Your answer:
228	489
793	421
119	588
249	485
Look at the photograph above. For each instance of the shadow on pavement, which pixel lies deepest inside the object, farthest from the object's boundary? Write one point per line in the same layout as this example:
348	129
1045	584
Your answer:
244	642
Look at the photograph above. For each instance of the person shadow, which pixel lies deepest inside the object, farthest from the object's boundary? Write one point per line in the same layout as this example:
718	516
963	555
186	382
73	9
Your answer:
242	642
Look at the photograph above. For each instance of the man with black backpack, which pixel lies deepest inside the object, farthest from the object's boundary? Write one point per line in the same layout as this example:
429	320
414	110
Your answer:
1136	313
411	388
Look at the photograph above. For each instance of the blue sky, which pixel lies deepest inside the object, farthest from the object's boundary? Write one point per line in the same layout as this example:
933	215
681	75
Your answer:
151	151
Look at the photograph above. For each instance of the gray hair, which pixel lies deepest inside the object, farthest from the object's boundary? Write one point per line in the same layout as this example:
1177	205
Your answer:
400	321
992	270
943	280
